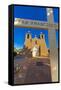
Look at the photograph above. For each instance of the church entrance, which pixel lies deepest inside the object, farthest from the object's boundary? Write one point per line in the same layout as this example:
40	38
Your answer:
35	51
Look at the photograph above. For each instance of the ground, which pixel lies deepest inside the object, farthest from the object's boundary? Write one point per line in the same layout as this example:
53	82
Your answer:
29	70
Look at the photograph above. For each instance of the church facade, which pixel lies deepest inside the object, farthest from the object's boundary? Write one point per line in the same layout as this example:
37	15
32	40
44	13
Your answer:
36	45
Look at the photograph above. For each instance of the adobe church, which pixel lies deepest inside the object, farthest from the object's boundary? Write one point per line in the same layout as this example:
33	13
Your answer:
36	45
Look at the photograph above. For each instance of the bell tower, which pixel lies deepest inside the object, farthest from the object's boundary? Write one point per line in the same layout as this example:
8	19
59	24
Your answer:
43	47
42	36
28	40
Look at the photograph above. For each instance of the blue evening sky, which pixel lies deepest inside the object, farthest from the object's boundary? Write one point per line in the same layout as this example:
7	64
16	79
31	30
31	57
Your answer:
33	13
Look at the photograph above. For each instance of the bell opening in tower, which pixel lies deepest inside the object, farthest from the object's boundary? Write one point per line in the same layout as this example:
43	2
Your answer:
27	36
